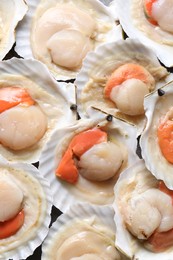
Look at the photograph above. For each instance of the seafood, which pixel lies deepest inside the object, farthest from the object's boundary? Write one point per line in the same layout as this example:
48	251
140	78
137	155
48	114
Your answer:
143	214
16	10
116	77
32	105
75	160
25	201
157	134
50	27
146	20
82	233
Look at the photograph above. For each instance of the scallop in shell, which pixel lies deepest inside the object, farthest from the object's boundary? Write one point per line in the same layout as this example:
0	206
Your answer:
48	31
25	190
26	126
116	77
11	12
143	215
85	232
135	20
158	134
102	133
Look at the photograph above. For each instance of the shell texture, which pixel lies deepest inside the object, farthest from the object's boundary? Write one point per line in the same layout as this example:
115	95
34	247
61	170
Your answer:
11	12
99	65
80	212
53	98
156	107
32	234
125	241
66	194
101	13
132	18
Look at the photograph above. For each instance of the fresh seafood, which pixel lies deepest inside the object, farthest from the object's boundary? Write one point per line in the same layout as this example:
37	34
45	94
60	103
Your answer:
11	12
158	134
60	33
79	155
116	77
82	233
32	105
143	215
25	203
146	21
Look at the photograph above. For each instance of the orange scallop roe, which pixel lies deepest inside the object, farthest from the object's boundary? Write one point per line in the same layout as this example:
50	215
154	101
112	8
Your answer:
10	227
123	73
148	4
83	141
13	96
165	139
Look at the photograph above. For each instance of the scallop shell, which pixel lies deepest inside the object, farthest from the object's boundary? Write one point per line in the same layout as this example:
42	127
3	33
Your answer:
98	65
156	107
11	12
93	215
66	194
32	234
54	98
134	23
24	45
125	242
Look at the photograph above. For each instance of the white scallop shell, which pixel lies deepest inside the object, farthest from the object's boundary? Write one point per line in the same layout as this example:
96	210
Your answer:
62	94
32	239
66	194
156	107
146	31
98	65
24	45
83	212
11	12
125	242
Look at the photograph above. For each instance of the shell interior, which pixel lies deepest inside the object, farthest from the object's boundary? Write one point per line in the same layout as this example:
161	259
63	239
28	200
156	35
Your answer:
99	65
53	98
24	242
66	194
156	107
125	242
136	25
24	44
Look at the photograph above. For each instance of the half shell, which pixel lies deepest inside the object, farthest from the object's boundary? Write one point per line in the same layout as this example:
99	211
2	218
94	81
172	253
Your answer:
133	20
11	12
37	208
135	176
156	107
53	98
81	218
99	65
25	33
101	193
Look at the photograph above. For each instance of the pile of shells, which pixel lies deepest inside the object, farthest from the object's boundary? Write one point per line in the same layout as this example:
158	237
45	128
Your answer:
86	122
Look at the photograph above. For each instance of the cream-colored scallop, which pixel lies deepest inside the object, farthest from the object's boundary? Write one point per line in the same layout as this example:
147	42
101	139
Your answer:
68	48
129	96
11	197
101	162
52	33
84	245
22	127
162	12
82	239
36	207
153	203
